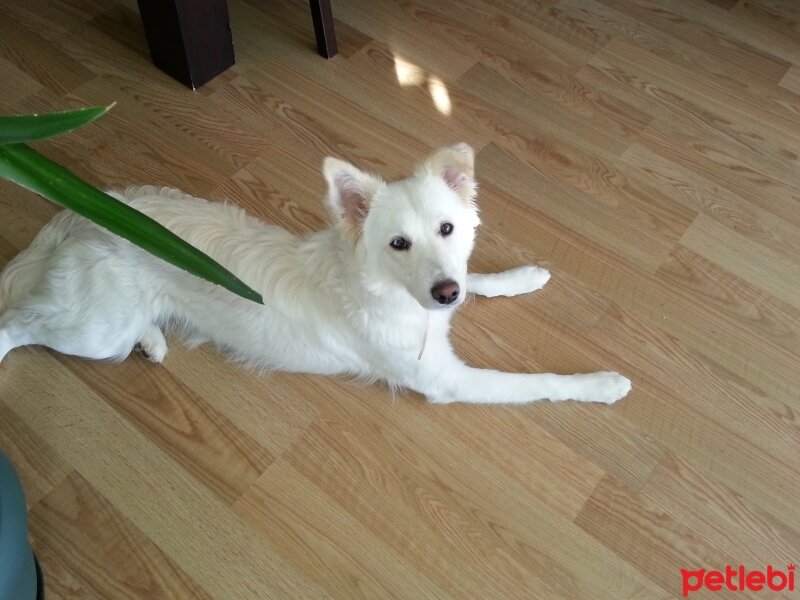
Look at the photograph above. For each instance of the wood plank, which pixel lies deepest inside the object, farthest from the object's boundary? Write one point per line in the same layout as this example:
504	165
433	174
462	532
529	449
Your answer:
655	37
642	231
719	514
515	42
551	17
582	130
708	35
184	425
733	297
791	81
779	15
710	102
698	192
130	130
323	538
77	533
415	43
729	25
24	86
565	299
412	109
40	468
190	524
648	297
304	117
24	214
220	135
713	397
732	149
715	449
113	43
270	410
655	542
426	513
727	171
760	266
40	59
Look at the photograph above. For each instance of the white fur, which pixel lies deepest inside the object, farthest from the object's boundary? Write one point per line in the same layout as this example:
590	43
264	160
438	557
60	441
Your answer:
336	301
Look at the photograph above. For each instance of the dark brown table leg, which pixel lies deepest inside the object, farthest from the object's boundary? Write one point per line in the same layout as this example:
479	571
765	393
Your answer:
322	16
189	39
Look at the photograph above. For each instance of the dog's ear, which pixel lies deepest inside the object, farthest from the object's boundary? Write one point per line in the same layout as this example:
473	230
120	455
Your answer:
456	165
349	192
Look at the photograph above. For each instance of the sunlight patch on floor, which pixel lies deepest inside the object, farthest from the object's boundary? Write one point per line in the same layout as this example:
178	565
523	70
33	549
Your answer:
441	99
410	74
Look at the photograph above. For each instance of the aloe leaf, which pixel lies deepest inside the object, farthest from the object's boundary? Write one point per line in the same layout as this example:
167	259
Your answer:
28	168
25	128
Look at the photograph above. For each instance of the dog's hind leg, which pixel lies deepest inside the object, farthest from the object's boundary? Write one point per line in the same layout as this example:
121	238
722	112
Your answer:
11	334
508	283
97	336
152	344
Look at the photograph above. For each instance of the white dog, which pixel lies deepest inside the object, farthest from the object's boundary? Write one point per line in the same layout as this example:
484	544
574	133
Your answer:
371	297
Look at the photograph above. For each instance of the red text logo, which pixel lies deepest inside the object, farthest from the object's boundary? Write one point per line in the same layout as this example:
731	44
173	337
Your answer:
739	579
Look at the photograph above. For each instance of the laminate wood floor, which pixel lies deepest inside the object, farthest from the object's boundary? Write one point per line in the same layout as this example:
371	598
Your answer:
646	151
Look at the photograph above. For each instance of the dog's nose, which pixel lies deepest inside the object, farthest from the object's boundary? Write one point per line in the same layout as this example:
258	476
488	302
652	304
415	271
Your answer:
445	292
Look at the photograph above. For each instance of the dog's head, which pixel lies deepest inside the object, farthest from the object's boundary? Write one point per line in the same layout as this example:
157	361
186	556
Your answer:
416	233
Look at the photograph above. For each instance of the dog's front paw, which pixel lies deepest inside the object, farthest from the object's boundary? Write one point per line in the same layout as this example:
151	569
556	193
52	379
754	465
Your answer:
524	280
605	386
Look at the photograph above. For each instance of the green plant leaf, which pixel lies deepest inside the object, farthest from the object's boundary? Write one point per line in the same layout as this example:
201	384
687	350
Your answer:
26	128
28	168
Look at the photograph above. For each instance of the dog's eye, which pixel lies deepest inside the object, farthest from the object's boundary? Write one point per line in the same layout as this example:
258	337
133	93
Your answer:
400	243
446	228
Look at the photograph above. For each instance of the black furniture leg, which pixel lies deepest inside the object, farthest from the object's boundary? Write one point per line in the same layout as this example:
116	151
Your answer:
189	39
322	16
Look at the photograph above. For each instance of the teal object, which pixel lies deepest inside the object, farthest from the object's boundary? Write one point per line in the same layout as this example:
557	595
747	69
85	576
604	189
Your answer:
20	576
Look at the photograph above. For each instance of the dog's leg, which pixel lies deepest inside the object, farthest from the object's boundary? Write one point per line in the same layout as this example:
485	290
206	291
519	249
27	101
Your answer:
68	332
478	386
443	377
152	344
508	283
11	334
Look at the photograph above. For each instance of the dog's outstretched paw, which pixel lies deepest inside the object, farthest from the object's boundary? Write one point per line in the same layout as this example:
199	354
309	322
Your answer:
513	282
605	386
528	279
